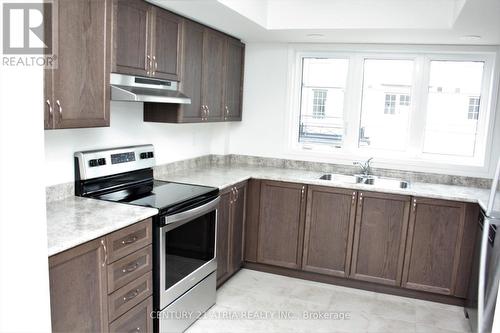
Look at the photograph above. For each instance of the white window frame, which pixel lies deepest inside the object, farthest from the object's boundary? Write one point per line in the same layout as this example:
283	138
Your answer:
413	158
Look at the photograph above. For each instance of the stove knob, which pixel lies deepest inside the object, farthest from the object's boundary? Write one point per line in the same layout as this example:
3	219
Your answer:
93	163
150	154
144	155
101	161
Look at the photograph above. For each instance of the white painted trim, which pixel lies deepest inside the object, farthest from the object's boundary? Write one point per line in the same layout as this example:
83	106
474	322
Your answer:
414	159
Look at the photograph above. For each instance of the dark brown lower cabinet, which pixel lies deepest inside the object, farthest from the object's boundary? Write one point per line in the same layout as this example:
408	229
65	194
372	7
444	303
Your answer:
434	259
223	220
78	289
416	247
95	289
230	231
281	224
380	237
329	230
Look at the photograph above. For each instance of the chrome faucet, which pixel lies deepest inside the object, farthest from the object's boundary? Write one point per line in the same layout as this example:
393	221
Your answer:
366	169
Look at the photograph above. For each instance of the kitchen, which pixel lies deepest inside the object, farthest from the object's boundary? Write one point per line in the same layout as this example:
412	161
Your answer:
193	164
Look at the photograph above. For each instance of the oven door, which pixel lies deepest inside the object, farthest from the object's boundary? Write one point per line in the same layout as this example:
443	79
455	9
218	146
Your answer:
187	244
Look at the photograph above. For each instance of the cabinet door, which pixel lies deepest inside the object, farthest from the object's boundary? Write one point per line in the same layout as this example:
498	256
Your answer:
81	80
380	237
237	225
252	220
213	73
166	36
281	224
48	99
223	230
78	295
192	62
434	245
131	40
329	230
233	80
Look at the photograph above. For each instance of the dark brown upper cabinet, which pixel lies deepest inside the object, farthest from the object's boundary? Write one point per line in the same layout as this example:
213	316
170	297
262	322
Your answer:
380	237
165	44
281	224
146	40
329	230
76	92
433	251
233	80
212	76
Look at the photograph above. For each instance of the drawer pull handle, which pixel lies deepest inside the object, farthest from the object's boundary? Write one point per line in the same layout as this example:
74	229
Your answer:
130	268
131	295
131	240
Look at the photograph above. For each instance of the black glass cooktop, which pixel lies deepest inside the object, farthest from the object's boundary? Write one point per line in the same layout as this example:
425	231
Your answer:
165	196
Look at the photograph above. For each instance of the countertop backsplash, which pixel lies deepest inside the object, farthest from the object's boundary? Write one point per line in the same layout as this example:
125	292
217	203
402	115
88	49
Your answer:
61	191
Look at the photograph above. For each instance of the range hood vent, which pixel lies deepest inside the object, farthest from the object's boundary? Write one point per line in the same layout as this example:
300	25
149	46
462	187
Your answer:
139	89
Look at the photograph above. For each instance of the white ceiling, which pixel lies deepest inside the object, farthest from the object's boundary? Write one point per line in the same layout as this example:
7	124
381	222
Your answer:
348	21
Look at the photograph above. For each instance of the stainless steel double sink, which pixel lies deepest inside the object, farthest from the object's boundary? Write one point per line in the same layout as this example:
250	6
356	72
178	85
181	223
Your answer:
367	180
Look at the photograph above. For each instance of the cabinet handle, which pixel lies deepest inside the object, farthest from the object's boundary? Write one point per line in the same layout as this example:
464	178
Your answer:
155	67
148	65
302	192
237	194
131	295
105	253
130	268
414	204
137	329
227	110
361	196
58	103
353	197
130	240
204	112
50	107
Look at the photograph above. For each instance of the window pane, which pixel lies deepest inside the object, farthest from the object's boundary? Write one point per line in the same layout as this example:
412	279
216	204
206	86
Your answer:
385	111
322	105
453	107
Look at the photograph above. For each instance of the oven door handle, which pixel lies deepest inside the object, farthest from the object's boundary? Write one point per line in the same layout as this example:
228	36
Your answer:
176	220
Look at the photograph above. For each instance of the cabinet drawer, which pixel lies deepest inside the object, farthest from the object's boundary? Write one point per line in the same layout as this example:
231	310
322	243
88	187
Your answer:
129	268
136	320
128	240
129	296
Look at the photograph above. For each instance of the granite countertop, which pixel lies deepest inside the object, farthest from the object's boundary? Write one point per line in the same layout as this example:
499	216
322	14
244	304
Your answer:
225	176
74	220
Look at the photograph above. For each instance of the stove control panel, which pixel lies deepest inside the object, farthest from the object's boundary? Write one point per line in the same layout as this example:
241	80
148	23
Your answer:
105	162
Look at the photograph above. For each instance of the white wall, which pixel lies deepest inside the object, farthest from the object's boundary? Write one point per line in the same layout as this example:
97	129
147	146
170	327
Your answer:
24	273
263	131
172	142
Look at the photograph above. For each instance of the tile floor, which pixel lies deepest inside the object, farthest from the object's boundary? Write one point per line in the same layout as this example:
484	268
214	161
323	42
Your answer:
257	302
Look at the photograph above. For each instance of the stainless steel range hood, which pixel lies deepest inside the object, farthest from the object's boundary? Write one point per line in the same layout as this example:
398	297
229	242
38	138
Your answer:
140	89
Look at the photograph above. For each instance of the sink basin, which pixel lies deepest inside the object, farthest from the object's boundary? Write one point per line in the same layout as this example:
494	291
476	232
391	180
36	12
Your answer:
340	178
367	180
